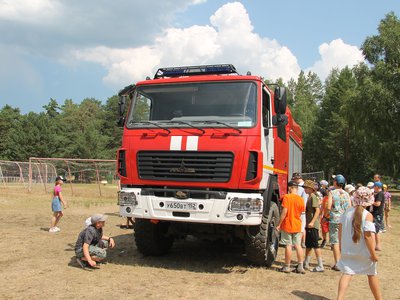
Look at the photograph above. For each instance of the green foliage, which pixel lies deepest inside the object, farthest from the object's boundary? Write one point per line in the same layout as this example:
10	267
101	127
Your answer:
351	125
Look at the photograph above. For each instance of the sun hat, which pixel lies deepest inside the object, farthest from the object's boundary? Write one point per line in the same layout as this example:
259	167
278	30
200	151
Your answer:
363	196
349	188
340	180
97	218
59	177
292	183
324	182
296	176
309	184
378	184
370	184
88	222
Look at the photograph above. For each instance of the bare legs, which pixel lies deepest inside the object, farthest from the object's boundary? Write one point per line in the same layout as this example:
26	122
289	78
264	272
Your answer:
343	285
378	242
373	285
56	218
387	219
288	254
336	252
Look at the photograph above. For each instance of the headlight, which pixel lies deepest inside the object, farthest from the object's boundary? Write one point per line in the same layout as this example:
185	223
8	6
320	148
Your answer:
246	205
126	198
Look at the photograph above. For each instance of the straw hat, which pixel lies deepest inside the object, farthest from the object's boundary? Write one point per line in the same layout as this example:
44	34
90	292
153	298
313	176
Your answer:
309	184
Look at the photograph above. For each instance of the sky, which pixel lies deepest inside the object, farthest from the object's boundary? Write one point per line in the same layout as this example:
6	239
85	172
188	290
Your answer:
73	49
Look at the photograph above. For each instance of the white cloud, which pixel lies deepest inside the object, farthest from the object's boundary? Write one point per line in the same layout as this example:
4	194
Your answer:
336	54
229	39
32	11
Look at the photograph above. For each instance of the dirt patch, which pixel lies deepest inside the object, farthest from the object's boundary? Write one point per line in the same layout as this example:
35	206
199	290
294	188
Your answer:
36	264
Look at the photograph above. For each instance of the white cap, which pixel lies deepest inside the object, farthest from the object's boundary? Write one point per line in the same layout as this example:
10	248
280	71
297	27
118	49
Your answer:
349	188
370	185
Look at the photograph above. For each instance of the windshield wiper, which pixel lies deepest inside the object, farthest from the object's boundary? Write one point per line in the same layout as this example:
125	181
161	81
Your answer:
186	123
222	123
148	122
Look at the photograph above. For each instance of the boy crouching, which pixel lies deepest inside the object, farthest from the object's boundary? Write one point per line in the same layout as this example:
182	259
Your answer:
91	246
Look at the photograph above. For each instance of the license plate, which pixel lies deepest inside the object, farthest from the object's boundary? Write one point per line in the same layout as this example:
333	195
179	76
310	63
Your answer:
181	205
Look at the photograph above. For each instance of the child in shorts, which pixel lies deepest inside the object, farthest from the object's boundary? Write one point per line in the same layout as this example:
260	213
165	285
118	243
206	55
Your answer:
312	226
290	227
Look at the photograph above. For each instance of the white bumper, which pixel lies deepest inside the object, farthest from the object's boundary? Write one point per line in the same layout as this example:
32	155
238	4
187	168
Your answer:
212	211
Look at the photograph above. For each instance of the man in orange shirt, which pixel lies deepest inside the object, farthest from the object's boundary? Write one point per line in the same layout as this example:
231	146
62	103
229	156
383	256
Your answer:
290	227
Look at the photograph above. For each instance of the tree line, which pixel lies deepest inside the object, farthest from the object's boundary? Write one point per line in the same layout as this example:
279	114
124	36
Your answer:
350	123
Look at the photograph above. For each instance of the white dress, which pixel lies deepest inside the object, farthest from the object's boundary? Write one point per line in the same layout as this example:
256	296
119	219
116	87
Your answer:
355	258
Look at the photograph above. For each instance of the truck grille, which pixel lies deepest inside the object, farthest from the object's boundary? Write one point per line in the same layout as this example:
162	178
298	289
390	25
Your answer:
185	165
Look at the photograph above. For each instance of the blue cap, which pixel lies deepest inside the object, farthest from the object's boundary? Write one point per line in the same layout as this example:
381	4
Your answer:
340	179
378	184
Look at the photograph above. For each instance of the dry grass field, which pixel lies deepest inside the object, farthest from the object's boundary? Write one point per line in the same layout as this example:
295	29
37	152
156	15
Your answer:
35	264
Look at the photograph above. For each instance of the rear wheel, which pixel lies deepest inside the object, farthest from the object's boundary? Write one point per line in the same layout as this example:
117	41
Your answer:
152	238
262	241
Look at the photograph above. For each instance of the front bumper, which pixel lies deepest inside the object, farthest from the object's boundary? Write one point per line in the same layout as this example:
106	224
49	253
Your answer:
212	211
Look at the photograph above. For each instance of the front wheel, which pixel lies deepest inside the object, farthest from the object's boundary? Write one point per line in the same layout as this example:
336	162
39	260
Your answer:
262	241
152	238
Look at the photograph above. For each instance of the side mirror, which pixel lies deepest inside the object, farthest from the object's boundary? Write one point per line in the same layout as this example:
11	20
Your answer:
123	94
121	111
280	120
280	100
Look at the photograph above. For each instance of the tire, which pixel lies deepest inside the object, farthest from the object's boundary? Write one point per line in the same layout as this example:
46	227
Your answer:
152	239
262	241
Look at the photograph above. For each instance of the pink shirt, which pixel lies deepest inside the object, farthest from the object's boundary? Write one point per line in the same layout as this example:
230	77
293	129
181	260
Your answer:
57	190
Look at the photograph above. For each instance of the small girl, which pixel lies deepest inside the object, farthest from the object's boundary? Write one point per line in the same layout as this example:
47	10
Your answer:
56	204
388	205
357	243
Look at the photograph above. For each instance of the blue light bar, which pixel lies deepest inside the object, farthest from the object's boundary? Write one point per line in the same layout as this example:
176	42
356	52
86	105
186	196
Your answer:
195	70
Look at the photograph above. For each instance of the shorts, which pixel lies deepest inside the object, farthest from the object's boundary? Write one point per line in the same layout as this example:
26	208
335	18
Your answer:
312	237
56	205
303	221
325	225
288	238
99	250
333	233
378	222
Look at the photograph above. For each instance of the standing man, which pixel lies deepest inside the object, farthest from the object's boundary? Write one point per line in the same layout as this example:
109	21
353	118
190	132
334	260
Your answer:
91	246
377	213
377	178
298	179
290	227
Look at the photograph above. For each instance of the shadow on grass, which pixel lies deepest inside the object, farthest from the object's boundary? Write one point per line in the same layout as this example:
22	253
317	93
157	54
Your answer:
308	296
190	255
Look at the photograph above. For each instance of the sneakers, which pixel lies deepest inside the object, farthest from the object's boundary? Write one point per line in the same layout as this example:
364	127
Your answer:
335	268
318	269
285	269
53	229
306	266
57	229
81	263
299	270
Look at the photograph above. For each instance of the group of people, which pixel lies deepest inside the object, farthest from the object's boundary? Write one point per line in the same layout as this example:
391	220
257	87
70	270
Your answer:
91	245
351	217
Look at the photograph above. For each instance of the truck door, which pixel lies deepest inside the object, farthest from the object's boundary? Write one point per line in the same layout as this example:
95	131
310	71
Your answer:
268	146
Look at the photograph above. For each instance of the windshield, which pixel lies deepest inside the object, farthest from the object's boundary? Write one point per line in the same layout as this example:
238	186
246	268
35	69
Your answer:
220	104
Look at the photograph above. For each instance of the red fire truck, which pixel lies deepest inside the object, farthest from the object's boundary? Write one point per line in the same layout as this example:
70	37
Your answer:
206	152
